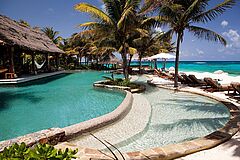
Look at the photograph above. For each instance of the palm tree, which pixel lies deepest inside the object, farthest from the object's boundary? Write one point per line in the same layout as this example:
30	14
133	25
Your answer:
152	44
184	15
53	35
114	26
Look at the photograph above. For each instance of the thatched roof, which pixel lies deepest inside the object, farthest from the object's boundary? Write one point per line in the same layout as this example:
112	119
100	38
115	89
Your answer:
112	59
14	34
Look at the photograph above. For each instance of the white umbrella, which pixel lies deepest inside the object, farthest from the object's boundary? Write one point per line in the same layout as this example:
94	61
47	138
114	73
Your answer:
163	56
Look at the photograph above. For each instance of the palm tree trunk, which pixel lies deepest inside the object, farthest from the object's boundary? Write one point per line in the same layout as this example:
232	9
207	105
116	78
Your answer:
125	67
130	60
179	35
80	55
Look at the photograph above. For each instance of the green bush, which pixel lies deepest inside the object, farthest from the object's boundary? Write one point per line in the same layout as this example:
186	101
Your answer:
39	152
120	82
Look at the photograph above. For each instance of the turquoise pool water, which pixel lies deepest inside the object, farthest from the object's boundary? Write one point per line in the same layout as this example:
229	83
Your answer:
177	117
54	102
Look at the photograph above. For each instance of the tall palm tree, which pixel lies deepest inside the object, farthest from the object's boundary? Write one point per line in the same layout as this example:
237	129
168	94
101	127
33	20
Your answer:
53	35
115	25
183	15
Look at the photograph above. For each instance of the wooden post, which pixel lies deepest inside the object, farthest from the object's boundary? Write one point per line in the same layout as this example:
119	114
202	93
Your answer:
11	69
33	63
47	62
57	60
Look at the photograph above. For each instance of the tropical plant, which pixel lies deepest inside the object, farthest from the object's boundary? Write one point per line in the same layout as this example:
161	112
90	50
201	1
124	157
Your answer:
115	25
53	35
152	44
40	152
185	15
25	23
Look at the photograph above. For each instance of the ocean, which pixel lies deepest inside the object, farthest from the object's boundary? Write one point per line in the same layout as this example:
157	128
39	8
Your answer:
231	67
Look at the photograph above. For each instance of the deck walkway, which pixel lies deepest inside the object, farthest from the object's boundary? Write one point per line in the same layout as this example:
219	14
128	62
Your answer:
28	78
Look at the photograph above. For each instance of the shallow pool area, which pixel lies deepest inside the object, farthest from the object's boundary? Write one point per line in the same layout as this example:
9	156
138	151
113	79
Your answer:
176	117
57	101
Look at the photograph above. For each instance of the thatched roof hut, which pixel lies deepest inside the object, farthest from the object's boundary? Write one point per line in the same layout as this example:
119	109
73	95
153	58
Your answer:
111	59
16	39
13	33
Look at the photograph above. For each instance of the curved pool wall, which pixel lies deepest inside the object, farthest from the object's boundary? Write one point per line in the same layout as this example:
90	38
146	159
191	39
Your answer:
177	150
177	117
58	101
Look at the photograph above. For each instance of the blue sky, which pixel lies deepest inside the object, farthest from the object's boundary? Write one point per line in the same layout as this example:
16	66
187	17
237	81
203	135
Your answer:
60	15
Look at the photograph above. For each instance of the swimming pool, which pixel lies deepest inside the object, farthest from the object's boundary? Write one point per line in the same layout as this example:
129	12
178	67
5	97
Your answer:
176	117
57	101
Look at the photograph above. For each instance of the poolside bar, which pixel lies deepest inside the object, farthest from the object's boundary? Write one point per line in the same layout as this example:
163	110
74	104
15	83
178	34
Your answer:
20	45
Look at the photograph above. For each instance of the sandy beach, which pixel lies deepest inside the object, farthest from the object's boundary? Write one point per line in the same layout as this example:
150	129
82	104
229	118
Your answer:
223	78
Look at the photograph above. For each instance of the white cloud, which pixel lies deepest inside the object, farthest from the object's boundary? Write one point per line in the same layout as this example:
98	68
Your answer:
224	23
158	29
233	39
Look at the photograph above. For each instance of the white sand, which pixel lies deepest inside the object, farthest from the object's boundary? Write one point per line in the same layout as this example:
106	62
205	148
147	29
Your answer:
223	78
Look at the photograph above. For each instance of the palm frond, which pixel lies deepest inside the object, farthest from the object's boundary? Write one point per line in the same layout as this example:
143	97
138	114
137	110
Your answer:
124	16
156	21
94	11
87	32
200	32
88	24
214	12
113	9
193	7
142	32
132	50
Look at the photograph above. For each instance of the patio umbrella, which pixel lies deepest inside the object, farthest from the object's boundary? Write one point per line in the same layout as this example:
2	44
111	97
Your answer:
163	56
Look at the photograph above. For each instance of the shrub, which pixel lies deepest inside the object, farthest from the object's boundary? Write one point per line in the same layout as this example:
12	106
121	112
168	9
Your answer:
120	82
39	152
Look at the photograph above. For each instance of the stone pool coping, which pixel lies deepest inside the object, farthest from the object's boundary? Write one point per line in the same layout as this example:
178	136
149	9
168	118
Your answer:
173	151
100	84
55	135
95	123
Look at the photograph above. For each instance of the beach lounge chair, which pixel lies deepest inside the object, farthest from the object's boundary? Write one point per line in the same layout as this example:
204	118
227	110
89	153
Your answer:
236	87
181	79
215	86
197	82
163	74
187	80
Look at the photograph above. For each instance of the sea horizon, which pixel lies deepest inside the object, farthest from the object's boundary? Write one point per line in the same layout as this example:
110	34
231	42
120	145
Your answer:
230	67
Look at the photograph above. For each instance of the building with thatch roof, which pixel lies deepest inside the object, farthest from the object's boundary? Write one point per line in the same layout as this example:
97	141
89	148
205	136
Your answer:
110	60
17	38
